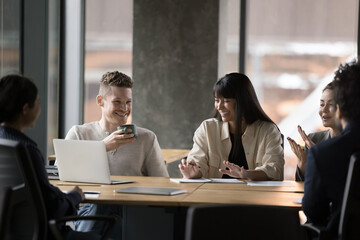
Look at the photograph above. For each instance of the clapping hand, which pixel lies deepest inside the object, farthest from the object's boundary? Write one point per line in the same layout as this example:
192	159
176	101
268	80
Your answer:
305	137
300	154
299	151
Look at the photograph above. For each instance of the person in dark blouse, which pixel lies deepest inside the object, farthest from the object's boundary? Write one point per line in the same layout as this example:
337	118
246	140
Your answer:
20	108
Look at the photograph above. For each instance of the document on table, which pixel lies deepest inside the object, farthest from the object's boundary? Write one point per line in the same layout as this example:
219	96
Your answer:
185	180
149	190
89	194
298	200
270	184
226	180
206	180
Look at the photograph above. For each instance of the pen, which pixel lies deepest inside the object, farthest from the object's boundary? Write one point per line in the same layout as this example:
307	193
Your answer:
193	164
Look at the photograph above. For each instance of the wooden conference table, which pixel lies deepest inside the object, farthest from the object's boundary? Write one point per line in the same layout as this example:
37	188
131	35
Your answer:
197	193
164	217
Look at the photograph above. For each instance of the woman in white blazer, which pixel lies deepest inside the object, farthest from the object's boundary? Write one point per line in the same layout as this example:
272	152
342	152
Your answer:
241	141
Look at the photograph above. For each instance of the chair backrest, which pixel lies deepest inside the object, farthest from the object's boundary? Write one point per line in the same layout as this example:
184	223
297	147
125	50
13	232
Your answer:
173	169
242	222
4	202
349	227
26	215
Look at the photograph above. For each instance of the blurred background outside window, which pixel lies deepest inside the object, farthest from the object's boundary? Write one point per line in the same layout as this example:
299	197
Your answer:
9	37
108	46
53	74
292	50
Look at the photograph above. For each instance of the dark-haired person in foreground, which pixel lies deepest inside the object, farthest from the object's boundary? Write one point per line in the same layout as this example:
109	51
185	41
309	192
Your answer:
328	162
19	109
241	141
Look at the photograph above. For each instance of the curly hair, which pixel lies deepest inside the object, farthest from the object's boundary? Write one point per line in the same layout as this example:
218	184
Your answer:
116	79
15	92
347	90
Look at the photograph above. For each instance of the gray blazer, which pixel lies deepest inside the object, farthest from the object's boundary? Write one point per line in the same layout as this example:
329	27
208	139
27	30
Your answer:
316	138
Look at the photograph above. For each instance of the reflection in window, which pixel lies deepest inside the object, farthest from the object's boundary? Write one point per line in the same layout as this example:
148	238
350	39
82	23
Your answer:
9	37
293	48
53	74
108	46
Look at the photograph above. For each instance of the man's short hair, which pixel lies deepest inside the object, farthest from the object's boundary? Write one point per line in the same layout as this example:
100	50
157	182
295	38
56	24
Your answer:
347	90
115	78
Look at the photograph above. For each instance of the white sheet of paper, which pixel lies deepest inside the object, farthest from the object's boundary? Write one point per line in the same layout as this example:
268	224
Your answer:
184	180
298	200
270	183
92	195
88	194
226	180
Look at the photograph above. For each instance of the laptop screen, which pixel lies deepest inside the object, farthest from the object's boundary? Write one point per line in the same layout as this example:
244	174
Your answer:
82	161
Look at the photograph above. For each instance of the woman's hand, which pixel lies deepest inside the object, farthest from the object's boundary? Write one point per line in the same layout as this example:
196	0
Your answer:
305	137
300	154
234	170
189	169
117	139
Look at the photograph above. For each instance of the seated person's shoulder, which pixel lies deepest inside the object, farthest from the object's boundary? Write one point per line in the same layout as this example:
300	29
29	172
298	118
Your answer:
211	122
85	126
81	131
317	137
145	133
266	126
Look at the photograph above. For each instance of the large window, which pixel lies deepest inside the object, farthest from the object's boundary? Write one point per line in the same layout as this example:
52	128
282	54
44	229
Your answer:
9	37
108	46
293	48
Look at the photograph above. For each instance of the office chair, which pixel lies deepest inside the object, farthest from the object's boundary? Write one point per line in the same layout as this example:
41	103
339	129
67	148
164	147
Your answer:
349	226
26	215
242	222
4	201
173	169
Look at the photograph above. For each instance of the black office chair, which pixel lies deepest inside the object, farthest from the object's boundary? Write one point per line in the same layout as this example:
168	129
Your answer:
242	222
26	215
349	227
4	202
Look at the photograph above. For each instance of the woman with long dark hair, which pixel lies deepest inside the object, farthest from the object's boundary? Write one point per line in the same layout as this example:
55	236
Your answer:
241	141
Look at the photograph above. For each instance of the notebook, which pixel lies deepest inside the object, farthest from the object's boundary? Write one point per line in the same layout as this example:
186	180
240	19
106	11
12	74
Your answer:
83	161
149	190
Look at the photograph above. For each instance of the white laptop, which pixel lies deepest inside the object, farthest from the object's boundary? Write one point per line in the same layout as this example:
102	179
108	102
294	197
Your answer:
83	161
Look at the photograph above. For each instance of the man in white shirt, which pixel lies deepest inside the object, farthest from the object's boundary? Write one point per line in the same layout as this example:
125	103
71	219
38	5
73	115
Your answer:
127	154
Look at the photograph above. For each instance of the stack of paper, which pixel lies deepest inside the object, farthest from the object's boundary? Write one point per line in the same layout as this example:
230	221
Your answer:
206	180
270	183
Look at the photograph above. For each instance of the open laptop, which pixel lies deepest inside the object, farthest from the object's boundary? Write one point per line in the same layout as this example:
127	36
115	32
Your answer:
83	161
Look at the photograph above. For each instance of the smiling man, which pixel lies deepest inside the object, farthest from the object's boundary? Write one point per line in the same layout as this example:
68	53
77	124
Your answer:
128	156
